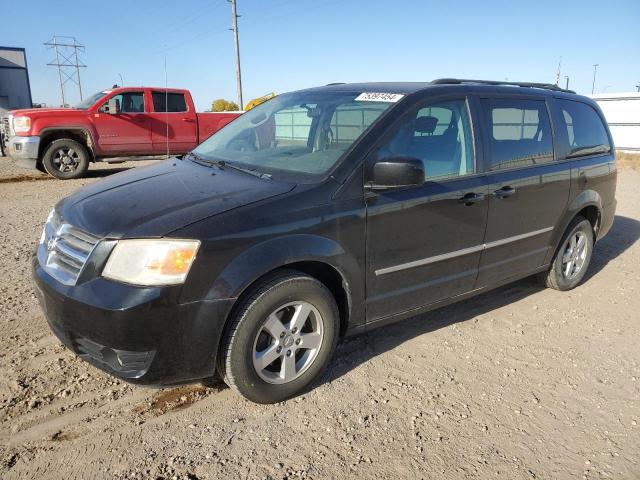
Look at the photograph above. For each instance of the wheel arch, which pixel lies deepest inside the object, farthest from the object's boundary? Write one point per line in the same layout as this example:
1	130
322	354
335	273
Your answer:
318	257
587	204
79	134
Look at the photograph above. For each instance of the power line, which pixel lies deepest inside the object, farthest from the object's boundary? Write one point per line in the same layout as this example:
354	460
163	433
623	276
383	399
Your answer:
67	61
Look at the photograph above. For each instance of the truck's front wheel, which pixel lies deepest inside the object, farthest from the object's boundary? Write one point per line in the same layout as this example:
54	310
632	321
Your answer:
66	159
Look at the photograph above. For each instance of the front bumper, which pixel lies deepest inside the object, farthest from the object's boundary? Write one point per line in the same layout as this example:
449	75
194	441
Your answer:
142	335
24	150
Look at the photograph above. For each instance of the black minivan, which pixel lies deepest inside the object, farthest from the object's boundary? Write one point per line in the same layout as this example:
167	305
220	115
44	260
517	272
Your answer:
323	213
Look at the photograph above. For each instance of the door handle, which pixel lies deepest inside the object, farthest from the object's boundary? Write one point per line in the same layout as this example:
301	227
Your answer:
504	192
471	198
188	120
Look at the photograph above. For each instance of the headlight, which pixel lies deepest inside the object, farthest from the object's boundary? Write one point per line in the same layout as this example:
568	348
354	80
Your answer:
44	229
21	124
151	262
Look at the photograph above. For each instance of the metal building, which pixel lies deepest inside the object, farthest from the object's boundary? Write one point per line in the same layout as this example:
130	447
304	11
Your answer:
15	91
622	111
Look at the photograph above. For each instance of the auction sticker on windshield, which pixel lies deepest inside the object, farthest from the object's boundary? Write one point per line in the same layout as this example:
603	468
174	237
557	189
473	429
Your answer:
379	97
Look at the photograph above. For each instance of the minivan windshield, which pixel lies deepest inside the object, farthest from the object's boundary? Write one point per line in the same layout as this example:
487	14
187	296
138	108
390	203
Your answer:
87	102
300	135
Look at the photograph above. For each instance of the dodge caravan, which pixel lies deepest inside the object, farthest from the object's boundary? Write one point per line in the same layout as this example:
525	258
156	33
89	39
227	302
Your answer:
319	214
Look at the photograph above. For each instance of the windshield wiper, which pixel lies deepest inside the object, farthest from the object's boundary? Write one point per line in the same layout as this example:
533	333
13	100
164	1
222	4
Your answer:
224	164
199	160
255	173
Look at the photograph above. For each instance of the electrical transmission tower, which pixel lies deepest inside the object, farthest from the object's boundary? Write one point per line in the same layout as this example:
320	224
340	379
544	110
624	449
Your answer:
67	61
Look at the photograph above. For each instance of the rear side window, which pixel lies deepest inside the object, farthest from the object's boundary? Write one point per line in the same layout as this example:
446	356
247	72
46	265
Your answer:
519	133
585	130
175	101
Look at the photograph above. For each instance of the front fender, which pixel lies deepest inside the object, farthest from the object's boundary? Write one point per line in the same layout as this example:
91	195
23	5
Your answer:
275	253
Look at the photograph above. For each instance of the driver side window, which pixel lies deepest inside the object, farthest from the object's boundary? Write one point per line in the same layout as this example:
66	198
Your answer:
439	135
129	102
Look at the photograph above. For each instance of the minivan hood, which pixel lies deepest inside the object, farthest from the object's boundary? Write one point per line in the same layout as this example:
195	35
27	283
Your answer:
156	200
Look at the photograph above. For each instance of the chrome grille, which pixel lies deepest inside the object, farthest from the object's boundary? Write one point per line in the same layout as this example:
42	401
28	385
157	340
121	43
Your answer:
4	128
64	250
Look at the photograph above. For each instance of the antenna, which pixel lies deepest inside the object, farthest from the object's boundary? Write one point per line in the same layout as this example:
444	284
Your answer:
558	72
166	103
67	61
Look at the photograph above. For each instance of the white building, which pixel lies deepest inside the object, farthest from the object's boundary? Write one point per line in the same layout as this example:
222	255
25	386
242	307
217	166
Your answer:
622	111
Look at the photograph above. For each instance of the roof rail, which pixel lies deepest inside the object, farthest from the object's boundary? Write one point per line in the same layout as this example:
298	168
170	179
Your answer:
458	81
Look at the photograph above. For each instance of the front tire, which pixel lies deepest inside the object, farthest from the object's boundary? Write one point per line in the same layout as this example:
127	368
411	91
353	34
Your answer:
572	258
281	337
65	159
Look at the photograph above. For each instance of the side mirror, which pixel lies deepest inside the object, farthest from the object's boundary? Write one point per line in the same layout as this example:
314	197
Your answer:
113	106
397	172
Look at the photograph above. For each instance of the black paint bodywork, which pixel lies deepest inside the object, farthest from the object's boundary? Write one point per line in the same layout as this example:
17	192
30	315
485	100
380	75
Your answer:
335	229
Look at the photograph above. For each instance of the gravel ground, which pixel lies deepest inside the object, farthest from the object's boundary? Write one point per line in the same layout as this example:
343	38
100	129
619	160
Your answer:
518	383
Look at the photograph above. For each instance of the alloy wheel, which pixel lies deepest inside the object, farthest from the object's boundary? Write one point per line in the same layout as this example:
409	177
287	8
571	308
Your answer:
575	255
288	342
66	159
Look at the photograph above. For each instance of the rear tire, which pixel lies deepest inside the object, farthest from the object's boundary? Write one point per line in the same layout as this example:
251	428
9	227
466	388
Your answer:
281	337
66	159
572	258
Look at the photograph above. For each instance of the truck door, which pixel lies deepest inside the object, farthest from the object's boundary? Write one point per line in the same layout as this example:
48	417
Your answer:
175	126
127	132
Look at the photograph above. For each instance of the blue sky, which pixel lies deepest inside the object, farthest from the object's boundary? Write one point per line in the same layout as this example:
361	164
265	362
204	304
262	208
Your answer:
287	44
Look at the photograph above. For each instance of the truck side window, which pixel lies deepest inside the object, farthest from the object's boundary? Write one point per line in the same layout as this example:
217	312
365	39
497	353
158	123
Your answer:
438	134
130	102
175	102
587	135
519	133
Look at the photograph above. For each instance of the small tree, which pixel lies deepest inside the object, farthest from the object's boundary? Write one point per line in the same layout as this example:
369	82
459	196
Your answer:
222	105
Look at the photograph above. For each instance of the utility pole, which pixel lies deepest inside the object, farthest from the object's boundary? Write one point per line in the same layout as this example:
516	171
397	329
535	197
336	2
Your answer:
593	85
234	17
566	87
67	61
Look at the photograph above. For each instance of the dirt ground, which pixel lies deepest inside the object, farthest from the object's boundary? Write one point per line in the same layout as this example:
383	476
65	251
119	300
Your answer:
519	383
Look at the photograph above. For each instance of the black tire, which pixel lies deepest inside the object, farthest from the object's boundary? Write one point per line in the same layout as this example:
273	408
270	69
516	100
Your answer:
247	329
65	159
556	277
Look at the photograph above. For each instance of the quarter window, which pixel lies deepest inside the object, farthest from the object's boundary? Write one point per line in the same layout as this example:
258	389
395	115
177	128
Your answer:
174	101
440	136
586	133
519	133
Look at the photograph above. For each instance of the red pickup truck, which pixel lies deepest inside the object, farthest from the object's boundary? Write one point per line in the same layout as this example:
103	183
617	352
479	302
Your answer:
124	121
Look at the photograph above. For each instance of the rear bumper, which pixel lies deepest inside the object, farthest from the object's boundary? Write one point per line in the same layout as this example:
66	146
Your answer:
142	335
24	150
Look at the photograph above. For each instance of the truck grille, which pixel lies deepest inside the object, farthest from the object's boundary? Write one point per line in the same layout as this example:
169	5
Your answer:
64	250
4	127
